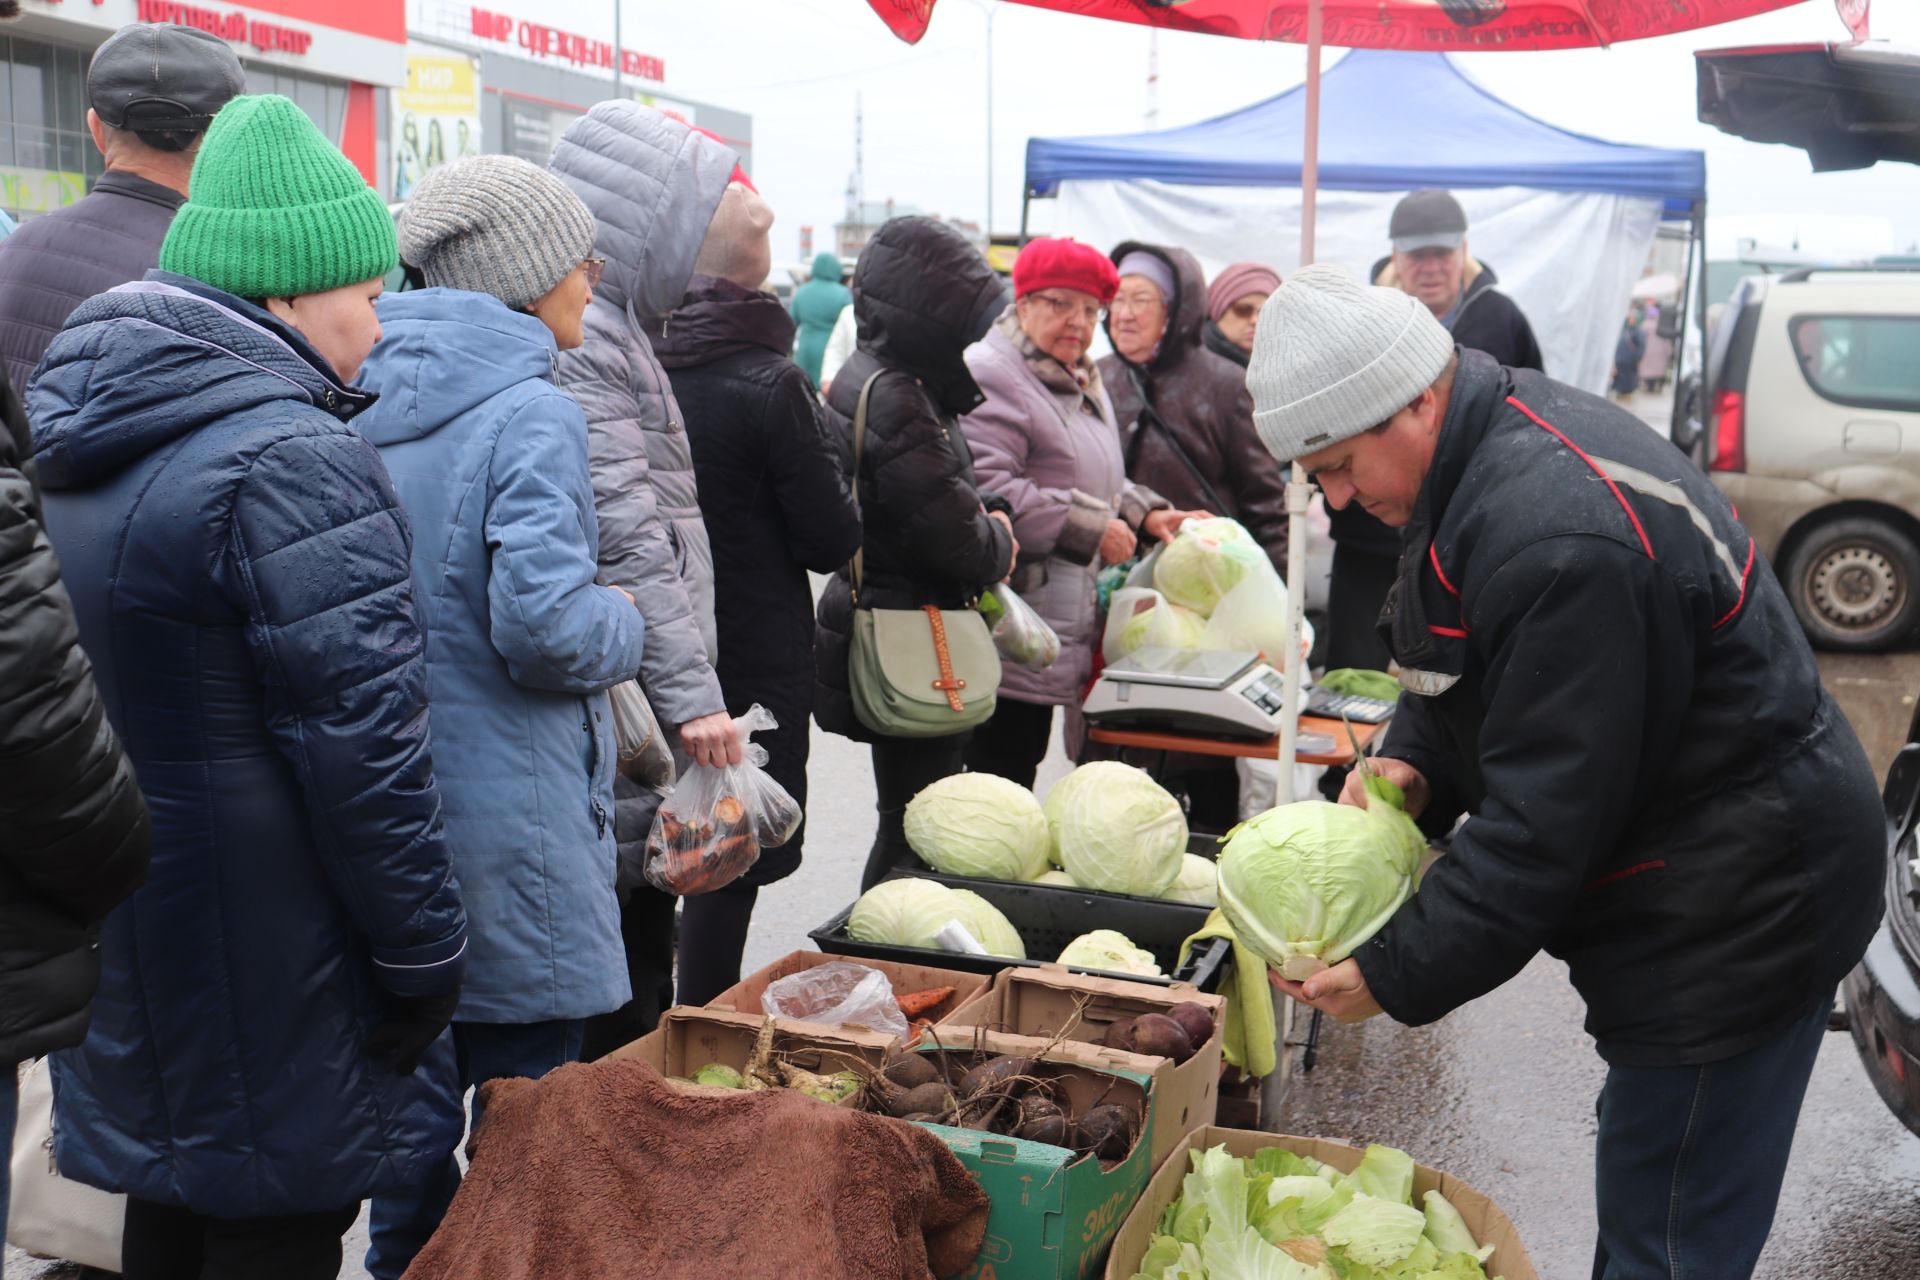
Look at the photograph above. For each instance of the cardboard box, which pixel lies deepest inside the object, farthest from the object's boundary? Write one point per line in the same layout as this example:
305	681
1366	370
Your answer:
689	1038
1484	1218
1040	1002
744	995
1053	1212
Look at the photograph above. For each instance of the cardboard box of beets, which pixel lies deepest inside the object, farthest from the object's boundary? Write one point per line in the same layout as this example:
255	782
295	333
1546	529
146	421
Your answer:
1054	1209
907	979
1043	1002
1483	1217
688	1039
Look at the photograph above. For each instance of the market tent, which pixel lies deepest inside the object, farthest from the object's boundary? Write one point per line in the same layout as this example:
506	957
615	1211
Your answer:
1548	208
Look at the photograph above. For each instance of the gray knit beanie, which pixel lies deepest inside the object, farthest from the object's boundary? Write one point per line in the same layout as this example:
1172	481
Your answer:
1333	357
495	224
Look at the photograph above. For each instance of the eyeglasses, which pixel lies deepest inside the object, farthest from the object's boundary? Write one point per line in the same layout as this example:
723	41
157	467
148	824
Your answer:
1063	307
1135	303
596	267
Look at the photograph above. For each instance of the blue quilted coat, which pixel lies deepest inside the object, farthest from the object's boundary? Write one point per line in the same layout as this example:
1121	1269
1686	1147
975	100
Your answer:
238	564
490	460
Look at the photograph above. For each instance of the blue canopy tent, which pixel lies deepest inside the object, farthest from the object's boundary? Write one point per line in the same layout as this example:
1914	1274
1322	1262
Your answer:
1389	122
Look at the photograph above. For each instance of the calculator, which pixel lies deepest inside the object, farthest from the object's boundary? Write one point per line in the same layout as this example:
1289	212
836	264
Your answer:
1325	702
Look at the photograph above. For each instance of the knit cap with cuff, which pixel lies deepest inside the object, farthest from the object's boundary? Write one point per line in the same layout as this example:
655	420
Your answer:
1333	357
496	225
274	210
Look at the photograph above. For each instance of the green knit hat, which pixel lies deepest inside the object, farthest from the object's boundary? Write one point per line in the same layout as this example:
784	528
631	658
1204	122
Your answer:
275	210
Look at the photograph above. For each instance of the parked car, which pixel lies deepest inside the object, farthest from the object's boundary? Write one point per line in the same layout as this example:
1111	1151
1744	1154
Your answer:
1883	993
1813	431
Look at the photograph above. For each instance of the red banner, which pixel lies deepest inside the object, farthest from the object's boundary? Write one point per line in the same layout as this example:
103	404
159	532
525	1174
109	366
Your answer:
1854	14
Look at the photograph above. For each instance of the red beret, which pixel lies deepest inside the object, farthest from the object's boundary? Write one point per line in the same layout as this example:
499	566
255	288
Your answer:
1050	263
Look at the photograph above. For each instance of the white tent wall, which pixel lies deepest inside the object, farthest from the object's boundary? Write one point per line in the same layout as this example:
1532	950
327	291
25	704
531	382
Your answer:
1569	259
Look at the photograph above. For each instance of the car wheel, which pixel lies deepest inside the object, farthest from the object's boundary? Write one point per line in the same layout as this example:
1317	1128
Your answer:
1855	583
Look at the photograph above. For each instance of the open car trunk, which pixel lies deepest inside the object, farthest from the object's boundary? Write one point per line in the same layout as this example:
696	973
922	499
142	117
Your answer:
1848	106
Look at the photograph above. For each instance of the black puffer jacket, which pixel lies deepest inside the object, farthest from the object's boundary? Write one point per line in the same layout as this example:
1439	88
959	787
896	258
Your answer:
74	832
921	296
773	493
1226	348
1602	673
1202	399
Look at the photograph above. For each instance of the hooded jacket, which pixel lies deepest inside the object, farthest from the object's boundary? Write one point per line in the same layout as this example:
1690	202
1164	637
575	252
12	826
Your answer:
238	563
74	830
1204	412
490	460
1603	674
817	305
921	293
653	185
773	489
1486	320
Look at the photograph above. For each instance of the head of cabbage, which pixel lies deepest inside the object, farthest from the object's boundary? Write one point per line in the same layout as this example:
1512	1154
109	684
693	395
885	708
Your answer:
1112	951
1207	559
910	911
1196	882
1117	830
1305	884
975	824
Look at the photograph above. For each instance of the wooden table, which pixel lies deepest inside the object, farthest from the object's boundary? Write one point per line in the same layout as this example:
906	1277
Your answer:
1249	748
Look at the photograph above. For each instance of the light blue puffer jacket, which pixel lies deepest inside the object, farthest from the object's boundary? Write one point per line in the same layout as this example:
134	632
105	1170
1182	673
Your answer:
490	460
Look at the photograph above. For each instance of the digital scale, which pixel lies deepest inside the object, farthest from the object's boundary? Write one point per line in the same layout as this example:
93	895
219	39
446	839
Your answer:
1201	691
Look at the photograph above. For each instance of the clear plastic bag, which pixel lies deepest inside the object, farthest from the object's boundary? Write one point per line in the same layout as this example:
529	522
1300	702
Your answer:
711	828
644	754
839	994
1021	635
1142	618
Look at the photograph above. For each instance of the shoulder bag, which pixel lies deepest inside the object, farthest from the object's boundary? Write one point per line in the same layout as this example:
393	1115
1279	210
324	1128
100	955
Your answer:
916	673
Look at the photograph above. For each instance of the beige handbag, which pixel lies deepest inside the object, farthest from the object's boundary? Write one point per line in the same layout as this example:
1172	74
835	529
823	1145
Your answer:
916	673
50	1216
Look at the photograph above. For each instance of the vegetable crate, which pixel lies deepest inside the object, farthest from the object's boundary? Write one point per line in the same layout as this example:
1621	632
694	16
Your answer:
1483	1217
1054	1212
1047	918
1041	1002
744	995
688	1039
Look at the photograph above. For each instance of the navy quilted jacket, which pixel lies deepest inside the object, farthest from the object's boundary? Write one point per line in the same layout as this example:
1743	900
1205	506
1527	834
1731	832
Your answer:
238	564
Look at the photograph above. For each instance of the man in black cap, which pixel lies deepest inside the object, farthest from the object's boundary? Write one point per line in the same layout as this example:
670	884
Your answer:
152	90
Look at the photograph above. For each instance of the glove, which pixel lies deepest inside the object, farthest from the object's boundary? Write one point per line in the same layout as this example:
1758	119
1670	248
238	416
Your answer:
411	1026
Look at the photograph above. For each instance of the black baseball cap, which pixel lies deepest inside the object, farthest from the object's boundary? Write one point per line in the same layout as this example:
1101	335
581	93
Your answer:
159	76
1428	219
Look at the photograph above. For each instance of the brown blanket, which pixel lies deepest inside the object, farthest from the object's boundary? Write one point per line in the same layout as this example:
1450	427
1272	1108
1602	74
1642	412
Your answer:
605	1170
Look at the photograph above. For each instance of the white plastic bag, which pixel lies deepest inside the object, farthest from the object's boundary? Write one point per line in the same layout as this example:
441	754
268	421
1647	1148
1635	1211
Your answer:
1020	634
1142	618
712	827
838	994
644	754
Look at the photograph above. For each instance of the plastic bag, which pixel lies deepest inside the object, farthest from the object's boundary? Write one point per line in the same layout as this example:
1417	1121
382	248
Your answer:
840	995
644	754
712	827
1021	635
1141	618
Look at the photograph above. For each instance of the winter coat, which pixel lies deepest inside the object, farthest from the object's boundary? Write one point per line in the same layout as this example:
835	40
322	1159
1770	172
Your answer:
921	294
817	305
653	185
490	460
74	831
1627	351
773	489
55	262
238	563
1052	450
1485	320
1204	412
1220	344
1605	676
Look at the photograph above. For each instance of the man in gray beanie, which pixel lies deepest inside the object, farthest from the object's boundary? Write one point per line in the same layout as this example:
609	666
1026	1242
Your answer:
489	458
1603	677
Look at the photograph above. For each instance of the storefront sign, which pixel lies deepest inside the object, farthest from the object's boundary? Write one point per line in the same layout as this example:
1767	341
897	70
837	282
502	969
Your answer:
540	41
435	117
235	28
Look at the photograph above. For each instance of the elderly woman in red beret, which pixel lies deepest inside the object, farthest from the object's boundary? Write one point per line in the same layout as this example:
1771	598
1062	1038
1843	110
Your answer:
1045	440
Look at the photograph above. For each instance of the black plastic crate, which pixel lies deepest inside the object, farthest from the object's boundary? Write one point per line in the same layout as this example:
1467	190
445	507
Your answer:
1048	917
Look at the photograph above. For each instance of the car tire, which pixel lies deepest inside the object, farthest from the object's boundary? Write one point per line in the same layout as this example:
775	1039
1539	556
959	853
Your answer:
1855	584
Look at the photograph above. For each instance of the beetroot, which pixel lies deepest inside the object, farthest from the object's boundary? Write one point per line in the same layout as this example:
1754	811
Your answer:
994	1074
1108	1131
1196	1020
911	1071
1158	1036
932	1097
1119	1035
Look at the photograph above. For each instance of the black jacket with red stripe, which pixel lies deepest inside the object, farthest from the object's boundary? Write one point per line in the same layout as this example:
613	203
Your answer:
1601	672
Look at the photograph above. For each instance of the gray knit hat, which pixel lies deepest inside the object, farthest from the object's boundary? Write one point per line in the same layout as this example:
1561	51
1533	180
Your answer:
1333	357
495	224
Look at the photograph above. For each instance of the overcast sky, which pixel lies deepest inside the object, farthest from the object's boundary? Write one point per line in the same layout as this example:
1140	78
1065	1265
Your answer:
797	66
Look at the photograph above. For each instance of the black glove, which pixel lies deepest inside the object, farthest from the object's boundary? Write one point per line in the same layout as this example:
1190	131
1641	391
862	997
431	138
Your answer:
411	1026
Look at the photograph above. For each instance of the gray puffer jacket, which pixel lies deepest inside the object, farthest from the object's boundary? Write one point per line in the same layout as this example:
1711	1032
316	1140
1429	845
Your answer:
653	185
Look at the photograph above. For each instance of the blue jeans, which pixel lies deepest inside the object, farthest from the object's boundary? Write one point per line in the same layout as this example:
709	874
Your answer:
400	1223
1690	1159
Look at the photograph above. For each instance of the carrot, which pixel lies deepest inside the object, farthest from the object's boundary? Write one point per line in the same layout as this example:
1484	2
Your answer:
915	1003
